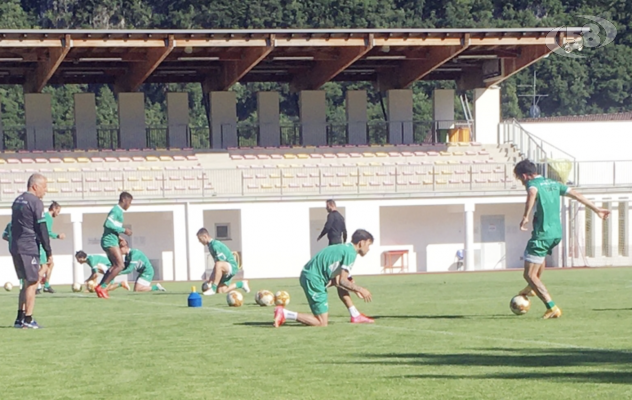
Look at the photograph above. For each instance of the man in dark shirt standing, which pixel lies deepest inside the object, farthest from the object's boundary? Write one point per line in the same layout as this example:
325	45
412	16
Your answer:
335	227
28	232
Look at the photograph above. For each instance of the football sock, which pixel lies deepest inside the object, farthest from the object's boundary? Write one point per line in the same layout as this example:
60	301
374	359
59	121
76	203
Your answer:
46	285
291	315
154	288
214	287
550	304
39	286
20	316
239	285
353	311
28	319
104	285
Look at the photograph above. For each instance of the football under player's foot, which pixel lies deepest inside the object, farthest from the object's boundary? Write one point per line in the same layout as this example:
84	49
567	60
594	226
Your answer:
101	292
48	289
245	286
125	285
551	313
527	292
279	316
362	319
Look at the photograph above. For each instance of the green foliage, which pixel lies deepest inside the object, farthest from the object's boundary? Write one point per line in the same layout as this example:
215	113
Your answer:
598	83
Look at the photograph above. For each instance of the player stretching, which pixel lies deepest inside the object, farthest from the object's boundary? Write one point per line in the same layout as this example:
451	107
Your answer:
98	265
544	195
225	267
331	266
47	267
136	260
112	227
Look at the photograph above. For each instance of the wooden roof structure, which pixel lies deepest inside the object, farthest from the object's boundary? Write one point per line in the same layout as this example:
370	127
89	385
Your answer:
306	58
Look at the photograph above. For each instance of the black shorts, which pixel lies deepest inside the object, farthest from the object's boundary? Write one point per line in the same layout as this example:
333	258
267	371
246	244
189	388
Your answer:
27	267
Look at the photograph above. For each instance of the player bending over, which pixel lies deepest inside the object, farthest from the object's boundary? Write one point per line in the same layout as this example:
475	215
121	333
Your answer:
225	268
47	267
331	266
136	260
544	194
112	227
98	265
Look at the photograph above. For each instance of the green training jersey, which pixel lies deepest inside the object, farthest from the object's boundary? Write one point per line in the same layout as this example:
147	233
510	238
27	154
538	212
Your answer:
546	220
98	263
330	262
49	225
7	234
220	252
137	261
112	227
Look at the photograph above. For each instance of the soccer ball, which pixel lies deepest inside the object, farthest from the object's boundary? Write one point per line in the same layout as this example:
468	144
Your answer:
8	286
519	304
205	287
76	287
234	299
91	285
264	298
282	298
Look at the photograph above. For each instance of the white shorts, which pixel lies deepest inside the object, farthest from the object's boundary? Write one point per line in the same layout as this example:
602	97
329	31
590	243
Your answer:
141	281
530	258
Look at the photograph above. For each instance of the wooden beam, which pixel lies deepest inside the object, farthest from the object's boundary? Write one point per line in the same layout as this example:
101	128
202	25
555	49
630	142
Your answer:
48	43
46	68
426	41
411	71
528	56
139	72
326	70
232	71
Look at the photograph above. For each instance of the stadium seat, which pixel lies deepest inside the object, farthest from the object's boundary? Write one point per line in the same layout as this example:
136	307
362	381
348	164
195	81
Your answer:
342	155
28	161
8	191
182	158
192	157
250	157
138	159
289	156
164	158
5	180
54	160
263	156
445	153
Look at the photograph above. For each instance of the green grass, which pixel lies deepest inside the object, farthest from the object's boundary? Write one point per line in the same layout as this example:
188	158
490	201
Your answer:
436	337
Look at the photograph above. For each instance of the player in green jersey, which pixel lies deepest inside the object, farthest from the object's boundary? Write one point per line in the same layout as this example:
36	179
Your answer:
330	267
225	268
47	267
98	265
112	227
136	260
543	195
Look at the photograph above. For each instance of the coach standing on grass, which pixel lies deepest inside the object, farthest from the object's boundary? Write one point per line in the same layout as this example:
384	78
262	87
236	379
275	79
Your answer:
29	231
335	227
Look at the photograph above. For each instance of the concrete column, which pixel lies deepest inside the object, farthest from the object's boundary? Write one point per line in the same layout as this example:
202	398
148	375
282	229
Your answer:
178	120
357	116
77	243
223	119
613	230
180	236
443	108
85	121
313	113
468	256
596	236
563	247
400	116
39	121
487	114
197	261
269	120
132	129
627	249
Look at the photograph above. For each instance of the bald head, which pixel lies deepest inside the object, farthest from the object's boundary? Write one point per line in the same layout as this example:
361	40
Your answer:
37	185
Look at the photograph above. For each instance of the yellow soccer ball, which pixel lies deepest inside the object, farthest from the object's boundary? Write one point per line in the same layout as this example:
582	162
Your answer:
91	285
519	305
76	287
234	298
8	286
282	298
264	298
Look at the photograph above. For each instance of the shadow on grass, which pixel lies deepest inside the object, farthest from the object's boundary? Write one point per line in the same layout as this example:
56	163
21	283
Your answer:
612	309
267	324
442	316
507	357
612	377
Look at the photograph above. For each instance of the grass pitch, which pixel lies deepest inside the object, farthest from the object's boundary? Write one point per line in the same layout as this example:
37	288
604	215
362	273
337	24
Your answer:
436	337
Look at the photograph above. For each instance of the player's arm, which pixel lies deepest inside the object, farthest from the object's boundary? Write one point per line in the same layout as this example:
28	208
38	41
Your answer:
531	196
93	276
342	281
344	231
5	235
601	212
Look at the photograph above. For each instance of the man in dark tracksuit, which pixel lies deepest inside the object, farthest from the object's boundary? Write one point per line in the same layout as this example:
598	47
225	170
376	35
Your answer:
335	227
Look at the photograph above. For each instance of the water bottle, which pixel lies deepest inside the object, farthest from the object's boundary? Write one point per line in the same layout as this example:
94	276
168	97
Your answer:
194	300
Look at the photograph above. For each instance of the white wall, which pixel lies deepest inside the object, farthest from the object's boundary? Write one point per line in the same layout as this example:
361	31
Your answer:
317	220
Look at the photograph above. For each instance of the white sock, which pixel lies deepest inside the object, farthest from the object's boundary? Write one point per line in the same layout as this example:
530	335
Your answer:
39	286
354	311
291	315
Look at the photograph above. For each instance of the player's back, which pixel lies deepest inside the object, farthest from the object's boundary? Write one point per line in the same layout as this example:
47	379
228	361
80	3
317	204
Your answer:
137	260
329	262
546	220
220	252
